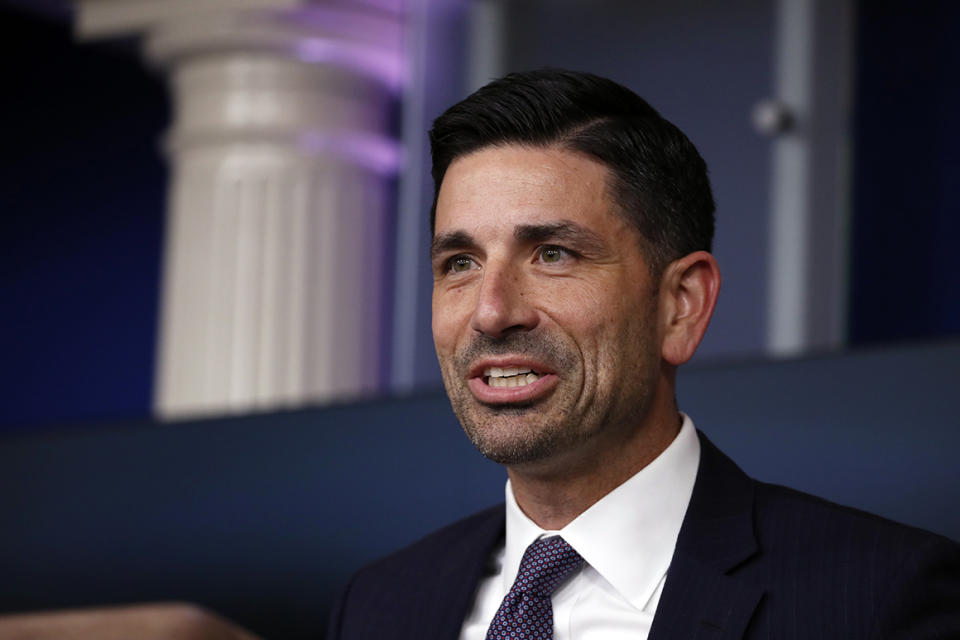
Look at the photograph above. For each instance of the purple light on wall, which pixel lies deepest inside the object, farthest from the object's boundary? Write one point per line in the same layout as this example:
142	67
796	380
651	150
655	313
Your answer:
378	153
367	40
383	65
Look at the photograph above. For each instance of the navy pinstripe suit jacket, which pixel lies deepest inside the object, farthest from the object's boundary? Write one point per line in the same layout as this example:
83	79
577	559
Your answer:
752	561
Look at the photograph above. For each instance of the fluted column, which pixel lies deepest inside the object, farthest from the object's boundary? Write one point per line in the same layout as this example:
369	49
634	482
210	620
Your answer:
282	163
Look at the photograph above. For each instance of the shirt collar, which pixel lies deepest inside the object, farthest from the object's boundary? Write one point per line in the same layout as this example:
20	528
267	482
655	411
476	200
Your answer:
629	535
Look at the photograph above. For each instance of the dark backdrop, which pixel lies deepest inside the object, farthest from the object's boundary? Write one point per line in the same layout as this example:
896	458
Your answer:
81	221
905	278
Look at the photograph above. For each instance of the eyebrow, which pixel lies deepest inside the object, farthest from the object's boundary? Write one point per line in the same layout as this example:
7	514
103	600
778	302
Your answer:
563	231
451	241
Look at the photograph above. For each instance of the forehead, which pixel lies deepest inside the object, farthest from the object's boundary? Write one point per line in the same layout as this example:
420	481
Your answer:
501	187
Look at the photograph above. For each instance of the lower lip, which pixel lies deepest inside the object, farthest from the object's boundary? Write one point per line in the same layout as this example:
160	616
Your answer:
512	395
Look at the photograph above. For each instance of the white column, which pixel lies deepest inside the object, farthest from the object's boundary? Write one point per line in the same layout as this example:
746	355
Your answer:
282	162
810	209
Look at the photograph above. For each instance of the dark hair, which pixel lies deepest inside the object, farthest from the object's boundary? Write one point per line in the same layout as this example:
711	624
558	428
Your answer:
659	180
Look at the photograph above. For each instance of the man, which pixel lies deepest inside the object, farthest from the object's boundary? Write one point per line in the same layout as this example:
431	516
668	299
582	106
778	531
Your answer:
572	276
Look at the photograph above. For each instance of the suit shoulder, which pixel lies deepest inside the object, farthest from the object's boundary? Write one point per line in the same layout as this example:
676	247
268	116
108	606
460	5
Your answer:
810	526
776	502
870	572
430	580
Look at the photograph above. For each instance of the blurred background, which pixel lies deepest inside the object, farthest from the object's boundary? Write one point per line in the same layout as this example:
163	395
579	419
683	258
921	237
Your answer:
215	278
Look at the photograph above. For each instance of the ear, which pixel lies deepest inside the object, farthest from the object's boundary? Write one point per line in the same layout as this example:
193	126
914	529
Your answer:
688	293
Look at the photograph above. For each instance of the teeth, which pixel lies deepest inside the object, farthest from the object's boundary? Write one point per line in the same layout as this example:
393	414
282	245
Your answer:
519	380
502	372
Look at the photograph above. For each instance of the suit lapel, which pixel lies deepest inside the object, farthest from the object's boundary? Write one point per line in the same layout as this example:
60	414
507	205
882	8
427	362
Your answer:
702	598
456	585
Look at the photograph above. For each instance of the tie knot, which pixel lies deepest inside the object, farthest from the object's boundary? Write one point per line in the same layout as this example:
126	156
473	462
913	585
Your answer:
545	564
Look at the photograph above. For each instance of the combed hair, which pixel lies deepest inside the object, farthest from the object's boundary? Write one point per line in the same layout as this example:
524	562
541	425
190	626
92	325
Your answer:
659	180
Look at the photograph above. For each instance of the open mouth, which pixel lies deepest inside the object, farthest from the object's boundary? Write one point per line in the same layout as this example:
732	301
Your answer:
511	381
510	376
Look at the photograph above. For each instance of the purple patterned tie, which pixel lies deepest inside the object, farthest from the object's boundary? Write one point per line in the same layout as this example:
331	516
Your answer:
526	612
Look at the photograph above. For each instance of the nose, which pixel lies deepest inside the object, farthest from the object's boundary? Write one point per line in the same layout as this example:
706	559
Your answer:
502	305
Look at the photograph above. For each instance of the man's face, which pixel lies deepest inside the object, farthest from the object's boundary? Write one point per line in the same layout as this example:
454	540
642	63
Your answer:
544	311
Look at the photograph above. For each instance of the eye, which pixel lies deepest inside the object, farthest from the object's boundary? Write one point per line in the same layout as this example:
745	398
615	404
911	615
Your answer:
551	254
460	264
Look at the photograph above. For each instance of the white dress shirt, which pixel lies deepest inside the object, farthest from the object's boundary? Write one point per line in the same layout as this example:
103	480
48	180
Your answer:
626	540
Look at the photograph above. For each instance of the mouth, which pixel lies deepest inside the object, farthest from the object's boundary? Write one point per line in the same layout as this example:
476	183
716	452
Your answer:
510	382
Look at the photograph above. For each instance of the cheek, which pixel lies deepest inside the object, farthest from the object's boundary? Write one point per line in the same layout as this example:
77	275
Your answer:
591	318
442	334
617	339
451	315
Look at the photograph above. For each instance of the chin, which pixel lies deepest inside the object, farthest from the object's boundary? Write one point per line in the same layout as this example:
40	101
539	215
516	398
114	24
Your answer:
510	442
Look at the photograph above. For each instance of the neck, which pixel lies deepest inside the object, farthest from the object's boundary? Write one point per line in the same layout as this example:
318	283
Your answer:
553	493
